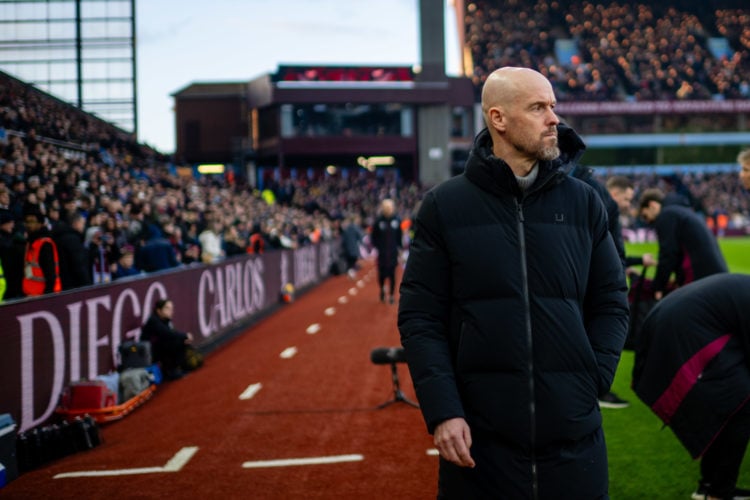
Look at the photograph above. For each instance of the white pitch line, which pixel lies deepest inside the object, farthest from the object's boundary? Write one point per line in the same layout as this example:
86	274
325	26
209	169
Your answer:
288	353
251	391
288	462
175	464
330	311
313	329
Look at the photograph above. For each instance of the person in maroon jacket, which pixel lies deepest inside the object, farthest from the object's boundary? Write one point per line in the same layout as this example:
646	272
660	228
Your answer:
692	368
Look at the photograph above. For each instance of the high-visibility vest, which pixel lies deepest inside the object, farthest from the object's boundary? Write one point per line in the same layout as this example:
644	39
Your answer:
3	283
255	244
33	276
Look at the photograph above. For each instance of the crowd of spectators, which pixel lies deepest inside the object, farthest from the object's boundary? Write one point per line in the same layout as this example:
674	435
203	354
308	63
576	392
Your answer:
623	50
115	208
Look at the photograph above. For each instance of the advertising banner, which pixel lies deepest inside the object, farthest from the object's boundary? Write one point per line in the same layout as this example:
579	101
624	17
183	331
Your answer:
49	341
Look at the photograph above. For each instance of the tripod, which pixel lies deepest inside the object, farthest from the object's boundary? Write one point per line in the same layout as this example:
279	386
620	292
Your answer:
392	355
398	395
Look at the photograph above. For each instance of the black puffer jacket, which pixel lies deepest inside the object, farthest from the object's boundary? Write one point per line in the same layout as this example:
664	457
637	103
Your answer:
513	308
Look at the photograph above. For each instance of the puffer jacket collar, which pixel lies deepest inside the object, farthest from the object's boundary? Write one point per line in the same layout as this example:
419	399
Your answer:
489	172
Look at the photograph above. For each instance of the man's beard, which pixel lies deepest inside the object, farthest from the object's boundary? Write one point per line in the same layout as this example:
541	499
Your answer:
538	151
549	153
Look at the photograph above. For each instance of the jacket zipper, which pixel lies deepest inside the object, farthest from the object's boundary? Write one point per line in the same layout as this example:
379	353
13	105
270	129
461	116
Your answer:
530	346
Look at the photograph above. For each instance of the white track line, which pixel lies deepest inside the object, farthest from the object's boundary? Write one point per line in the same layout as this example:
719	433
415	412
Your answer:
175	464
330	311
352	291
343	299
433	452
251	391
313	329
288	353
288	462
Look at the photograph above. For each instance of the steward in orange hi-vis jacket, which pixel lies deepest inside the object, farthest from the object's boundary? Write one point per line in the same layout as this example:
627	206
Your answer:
41	264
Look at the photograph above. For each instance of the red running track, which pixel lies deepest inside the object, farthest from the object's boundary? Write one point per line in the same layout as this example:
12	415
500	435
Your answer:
196	438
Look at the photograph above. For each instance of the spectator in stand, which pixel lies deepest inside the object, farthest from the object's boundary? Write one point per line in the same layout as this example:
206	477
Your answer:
744	160
101	255
256	241
12	244
513	309
156	253
75	271
687	248
4	198
211	244
386	237
126	264
168	345
693	371
232	242
41	274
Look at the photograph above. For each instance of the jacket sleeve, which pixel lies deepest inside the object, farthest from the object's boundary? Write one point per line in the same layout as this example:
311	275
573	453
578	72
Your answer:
424	317
157	330
606	307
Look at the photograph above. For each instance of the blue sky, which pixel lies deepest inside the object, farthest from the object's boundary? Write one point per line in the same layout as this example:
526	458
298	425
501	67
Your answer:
180	42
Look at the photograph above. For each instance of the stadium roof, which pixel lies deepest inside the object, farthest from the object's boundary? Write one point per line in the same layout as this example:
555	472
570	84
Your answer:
212	89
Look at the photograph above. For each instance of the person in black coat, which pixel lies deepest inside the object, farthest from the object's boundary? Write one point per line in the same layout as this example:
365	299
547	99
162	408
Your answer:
386	238
622	190
168	345
513	309
687	248
692	368
351	237
73	254
12	249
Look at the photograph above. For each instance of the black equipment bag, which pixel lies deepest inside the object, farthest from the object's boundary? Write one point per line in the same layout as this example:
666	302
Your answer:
135	354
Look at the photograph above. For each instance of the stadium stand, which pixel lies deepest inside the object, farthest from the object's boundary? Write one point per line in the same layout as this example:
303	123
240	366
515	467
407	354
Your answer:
620	51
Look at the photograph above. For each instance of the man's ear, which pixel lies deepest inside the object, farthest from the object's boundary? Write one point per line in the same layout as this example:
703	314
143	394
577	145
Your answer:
496	116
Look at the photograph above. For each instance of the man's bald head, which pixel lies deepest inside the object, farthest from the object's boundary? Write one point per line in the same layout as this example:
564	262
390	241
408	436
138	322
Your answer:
387	207
518	105
504	85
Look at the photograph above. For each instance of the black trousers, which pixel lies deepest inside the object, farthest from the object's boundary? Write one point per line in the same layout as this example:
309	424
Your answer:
387	273
170	353
720	465
573	471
